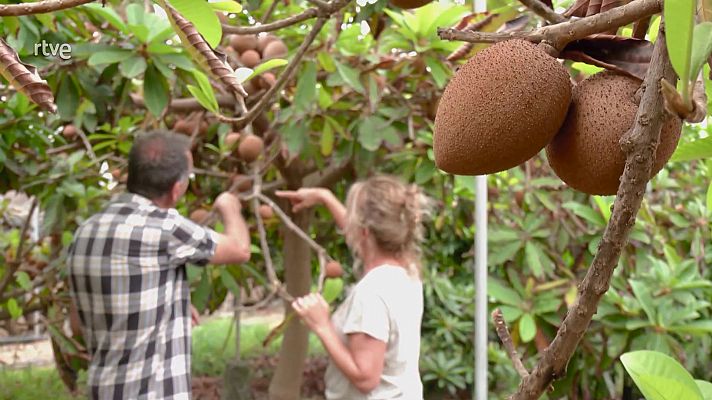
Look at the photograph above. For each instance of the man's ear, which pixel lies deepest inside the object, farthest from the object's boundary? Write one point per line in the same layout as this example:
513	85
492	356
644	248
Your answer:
178	190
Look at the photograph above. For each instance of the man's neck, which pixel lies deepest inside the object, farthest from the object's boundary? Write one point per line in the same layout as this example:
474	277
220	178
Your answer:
163	202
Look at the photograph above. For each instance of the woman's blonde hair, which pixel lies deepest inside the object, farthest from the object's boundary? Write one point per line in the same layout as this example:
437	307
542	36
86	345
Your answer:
393	213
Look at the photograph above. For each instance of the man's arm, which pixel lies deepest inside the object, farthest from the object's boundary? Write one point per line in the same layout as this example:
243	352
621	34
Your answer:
234	244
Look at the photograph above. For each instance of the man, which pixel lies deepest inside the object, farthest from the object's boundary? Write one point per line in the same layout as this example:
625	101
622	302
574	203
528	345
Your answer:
128	277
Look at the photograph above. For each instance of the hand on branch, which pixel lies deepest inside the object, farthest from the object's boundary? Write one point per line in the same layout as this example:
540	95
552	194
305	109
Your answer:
227	203
313	310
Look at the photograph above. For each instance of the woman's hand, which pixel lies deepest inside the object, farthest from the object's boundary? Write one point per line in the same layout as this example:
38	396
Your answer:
303	198
313	310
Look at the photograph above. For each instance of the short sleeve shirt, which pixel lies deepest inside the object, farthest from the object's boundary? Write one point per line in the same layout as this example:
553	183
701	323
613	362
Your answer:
128	280
386	304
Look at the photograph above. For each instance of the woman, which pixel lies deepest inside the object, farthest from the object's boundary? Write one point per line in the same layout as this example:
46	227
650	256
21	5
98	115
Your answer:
373	338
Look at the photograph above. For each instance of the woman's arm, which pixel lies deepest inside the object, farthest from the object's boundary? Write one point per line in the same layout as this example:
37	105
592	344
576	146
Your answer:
308	197
361	361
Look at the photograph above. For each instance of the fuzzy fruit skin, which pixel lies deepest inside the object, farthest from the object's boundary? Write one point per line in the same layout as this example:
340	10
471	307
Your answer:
586	153
242	43
275	49
500	109
250	58
333	269
250	148
232	138
407	4
69	132
263	41
266	212
198	216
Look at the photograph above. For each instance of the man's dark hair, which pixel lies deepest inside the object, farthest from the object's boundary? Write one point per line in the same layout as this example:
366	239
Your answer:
157	161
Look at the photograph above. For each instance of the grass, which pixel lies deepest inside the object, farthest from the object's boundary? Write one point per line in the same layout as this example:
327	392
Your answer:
211	350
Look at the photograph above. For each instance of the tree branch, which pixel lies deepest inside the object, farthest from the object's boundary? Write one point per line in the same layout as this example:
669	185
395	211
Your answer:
506	339
13	265
544	11
561	34
639	145
272	26
40	7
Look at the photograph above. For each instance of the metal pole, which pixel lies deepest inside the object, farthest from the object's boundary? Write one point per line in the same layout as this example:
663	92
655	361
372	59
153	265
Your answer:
481	288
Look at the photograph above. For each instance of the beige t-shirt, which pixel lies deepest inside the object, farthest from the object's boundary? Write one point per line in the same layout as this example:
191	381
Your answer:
386	304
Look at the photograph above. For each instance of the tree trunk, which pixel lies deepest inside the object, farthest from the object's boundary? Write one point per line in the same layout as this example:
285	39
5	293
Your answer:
287	381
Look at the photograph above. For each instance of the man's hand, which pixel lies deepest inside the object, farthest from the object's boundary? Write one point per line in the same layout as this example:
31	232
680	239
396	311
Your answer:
194	316
303	198
227	204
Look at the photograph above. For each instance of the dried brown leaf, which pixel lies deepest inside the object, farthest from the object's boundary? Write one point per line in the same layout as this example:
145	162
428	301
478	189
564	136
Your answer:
212	61
594	7
610	4
622	54
578	9
24	77
704	9
640	27
467	20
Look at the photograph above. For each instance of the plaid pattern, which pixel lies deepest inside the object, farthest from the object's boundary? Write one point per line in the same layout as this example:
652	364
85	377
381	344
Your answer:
128	279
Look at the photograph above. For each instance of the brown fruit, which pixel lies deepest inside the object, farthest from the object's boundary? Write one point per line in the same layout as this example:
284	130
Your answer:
244	185
264	40
242	43
116	174
232	138
183	126
260	124
199	216
251	86
267	80
500	109
410	3
275	49
586	153
250	58
333	269
250	148
69	132
266	212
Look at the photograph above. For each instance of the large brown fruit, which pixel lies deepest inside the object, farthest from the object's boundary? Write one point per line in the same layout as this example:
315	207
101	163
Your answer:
250	148
264	40
410	3
500	109
242	43
232	138
261	124
333	269
250	58
275	49
199	216
586	153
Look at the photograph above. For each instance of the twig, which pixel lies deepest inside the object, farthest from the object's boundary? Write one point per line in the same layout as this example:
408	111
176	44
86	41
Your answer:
544	11
269	11
561	34
40	7
273	26
19	254
501	327
286	75
217	174
87	144
639	145
322	272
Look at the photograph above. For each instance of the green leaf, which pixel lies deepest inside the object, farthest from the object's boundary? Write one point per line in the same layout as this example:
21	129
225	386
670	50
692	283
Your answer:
709	199
67	98
693	328
332	289
23	279
201	294
155	90
13	308
659	376
266	66
203	18
705	388
679	23
533	260
369	132
204	92
439	73
296	137
202	98
642	293
109	57
326	62
229	281
503	294
108	14
527	328
586	212
351	76
226	6
326	142
701	47
306	87
132	67
695	150
511	314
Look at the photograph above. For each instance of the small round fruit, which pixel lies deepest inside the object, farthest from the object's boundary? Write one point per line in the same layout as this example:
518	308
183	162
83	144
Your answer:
250	148
183	126
199	216
275	49
263	41
116	173
333	269
232	138
69	132
268	80
245	182
242	43
250	58
266	212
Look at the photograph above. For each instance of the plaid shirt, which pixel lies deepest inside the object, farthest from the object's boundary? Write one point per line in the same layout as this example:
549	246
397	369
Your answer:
128	279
